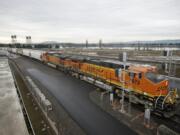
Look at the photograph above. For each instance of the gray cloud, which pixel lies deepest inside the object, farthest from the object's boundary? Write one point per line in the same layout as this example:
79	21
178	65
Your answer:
75	21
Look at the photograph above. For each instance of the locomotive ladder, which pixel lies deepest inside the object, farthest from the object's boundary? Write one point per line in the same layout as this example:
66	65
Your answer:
166	98
159	102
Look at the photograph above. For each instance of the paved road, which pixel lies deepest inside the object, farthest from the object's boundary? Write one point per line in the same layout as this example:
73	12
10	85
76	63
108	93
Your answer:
73	94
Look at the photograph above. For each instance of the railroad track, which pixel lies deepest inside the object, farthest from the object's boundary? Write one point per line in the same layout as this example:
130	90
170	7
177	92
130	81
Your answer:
175	123
176	120
172	122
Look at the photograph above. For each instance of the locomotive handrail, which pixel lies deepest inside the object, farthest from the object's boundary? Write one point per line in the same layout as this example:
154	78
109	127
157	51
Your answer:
166	98
158	98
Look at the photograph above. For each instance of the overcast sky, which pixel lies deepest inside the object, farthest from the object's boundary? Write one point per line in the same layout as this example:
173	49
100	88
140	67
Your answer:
78	20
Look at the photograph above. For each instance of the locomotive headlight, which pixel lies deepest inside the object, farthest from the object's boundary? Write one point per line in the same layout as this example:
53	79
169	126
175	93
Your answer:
145	93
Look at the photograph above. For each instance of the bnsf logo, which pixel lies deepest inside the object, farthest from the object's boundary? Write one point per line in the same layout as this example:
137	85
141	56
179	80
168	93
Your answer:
94	69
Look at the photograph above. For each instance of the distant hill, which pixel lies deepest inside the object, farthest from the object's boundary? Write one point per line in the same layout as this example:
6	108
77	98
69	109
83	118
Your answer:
176	41
50	42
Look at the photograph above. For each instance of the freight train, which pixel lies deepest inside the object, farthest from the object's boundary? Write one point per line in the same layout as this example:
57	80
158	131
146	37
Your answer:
140	82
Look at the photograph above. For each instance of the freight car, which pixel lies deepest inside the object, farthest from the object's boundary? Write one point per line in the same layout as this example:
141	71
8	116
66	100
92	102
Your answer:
141	81
35	54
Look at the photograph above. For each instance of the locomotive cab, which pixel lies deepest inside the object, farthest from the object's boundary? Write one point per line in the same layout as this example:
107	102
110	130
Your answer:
165	98
156	87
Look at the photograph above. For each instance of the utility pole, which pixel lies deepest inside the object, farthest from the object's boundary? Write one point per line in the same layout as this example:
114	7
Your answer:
165	65
170	62
172	65
100	43
124	75
86	43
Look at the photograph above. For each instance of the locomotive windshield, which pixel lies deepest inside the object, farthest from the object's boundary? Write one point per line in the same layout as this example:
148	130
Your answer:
154	77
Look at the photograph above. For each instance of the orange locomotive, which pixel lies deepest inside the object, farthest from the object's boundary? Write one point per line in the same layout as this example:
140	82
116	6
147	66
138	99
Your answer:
142	81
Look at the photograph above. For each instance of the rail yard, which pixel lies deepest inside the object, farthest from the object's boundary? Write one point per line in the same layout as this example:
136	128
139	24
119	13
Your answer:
90	93
90	67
